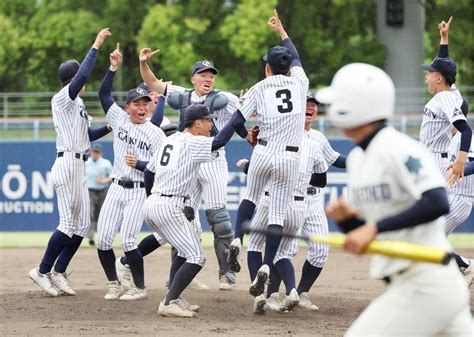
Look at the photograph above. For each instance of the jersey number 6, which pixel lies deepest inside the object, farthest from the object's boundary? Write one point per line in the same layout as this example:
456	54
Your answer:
285	96
165	157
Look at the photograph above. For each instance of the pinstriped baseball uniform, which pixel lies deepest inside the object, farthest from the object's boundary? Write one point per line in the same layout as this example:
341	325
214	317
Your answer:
176	165
213	176
311	161
440	112
461	195
123	207
71	122
279	103
315	222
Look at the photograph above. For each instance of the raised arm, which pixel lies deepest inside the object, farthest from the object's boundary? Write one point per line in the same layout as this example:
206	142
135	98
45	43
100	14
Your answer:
277	26
148	77
86	66
159	112
444	34
95	134
105	90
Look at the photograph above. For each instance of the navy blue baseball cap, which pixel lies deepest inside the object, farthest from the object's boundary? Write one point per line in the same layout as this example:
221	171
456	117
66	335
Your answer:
197	111
67	70
279	59
96	147
204	65
144	87
310	97
137	93
443	65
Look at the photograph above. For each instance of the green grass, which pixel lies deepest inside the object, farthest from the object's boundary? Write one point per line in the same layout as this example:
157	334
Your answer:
40	239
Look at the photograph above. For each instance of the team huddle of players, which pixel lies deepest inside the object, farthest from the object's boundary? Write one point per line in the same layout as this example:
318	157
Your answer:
161	172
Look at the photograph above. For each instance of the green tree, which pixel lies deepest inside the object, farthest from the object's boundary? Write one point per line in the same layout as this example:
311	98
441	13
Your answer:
10	54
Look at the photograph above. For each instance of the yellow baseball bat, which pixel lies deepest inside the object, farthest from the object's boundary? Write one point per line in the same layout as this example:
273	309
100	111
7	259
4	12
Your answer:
397	249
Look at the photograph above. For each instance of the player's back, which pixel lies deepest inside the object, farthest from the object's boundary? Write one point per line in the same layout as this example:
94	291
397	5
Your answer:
279	103
71	122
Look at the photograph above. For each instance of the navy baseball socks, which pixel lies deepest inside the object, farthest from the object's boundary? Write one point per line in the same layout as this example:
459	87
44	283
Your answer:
67	254
287	274
56	244
254	262
177	262
272	243
181	280
135	261
244	214
148	245
309	275
107	260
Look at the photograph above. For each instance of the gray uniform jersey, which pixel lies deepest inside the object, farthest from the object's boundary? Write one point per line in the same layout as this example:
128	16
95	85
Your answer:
71	122
439	114
139	140
177	161
279	103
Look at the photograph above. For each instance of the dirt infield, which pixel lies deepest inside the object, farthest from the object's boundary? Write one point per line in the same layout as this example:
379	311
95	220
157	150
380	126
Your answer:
342	292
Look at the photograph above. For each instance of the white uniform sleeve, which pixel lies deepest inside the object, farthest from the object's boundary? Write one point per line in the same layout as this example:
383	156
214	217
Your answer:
231	106
171	88
416	170
62	99
329	154
114	114
320	165
200	149
249	106
299	73
450	106
151	166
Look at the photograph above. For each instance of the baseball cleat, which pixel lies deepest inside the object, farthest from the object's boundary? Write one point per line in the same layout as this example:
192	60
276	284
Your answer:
198	285
258	285
187	305
224	283
259	304
114	291
305	303
273	302
60	281
133	294
234	255
124	274
175	309
43	281
290	301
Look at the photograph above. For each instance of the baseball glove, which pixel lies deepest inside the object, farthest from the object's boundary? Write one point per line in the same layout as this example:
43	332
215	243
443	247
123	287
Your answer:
253	134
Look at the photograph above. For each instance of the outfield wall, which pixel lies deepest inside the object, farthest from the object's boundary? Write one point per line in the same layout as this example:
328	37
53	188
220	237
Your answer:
28	201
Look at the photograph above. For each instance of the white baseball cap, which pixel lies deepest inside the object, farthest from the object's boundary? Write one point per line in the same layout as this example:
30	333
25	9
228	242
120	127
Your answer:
359	94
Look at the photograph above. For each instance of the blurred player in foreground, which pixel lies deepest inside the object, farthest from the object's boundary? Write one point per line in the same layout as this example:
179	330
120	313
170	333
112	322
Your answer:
396	193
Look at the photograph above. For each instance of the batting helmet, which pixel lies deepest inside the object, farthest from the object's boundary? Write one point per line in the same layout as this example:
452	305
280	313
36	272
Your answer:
359	94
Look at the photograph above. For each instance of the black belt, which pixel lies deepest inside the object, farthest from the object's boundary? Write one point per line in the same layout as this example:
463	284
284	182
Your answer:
312	190
444	155
129	183
388	279
171	196
77	155
287	148
296	198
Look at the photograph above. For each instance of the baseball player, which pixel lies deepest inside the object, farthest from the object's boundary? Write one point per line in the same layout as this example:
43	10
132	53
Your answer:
123	206
212	176
441	114
157	102
395	193
278	101
71	122
176	165
311	161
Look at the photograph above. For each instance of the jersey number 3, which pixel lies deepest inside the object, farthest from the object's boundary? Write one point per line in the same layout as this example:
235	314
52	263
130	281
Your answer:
285	96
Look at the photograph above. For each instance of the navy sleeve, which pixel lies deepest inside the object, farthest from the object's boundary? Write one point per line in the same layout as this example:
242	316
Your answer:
291	47
443	50
159	112
340	162
105	90
433	204
95	134
350	224
225	134
141	165
469	169
466	134
238	121
149	180
318	179
82	74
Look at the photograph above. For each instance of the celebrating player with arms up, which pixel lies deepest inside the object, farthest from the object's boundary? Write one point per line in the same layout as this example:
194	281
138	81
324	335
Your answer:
279	103
134	136
212	176
71	122
396	193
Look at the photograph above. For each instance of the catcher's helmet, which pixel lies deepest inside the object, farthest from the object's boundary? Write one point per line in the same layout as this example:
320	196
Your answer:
359	94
